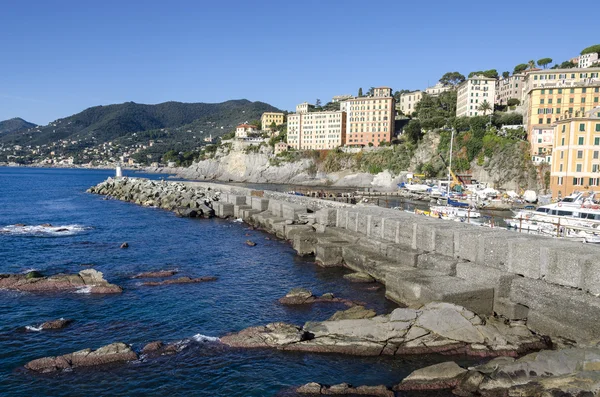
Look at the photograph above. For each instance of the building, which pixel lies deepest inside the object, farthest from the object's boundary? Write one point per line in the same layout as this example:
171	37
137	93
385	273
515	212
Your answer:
268	118
587	60
371	119
316	130
340	98
510	88
542	138
280	147
409	100
472	92
304	107
244	130
437	89
576	153
549	94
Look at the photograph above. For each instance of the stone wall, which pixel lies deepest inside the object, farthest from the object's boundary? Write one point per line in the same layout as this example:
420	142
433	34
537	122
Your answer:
552	283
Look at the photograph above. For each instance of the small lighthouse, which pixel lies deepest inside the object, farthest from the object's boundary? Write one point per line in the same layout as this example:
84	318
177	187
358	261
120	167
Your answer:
119	171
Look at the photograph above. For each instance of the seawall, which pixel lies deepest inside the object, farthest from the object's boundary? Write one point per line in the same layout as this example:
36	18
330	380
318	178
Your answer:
553	284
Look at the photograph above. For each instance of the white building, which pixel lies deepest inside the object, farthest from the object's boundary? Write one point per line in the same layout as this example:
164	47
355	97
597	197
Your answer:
303	107
409	100
316	130
586	60
340	98
437	89
472	93
244	130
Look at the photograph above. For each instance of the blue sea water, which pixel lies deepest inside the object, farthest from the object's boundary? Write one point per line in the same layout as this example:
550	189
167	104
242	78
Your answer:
250	280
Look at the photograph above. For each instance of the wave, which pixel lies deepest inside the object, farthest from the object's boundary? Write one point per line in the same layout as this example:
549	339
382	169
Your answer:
204	338
32	328
83	290
46	230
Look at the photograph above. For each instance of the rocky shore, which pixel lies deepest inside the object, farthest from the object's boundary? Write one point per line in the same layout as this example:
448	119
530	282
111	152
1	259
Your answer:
88	280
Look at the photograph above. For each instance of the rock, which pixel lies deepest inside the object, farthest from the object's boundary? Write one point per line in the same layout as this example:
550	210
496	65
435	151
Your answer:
152	347
156	274
344	389
355	312
113	353
91	279
250	243
180	280
435	377
20	224
271	335
359	278
56	324
46	225
125	245
302	296
158	348
87	264
33	274
450	321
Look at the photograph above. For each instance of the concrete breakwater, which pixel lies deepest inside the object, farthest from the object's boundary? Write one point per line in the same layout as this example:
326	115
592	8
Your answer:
552	284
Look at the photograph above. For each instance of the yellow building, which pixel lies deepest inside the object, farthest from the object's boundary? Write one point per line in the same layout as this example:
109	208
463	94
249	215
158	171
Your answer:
576	153
269	118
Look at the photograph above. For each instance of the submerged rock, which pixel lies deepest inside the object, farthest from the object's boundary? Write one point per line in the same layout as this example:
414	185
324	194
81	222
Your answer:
56	324
359	278
302	296
90	279
344	389
180	280
125	245
156	274
250	243
113	353
158	348
435	328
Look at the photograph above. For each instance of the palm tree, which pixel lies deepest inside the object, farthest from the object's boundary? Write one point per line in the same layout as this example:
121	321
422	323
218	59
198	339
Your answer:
485	107
531	64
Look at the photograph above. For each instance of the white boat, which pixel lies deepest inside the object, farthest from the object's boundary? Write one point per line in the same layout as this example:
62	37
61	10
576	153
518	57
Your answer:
449	212
416	187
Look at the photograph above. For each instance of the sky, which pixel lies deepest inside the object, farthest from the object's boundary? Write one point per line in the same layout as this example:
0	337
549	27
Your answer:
60	57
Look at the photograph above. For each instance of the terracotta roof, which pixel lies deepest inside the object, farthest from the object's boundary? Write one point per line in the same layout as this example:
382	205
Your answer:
246	126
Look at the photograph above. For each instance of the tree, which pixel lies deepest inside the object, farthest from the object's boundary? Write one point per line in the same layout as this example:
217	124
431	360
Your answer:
513	102
452	78
273	126
318	103
591	49
531	64
505	75
371	91
492	73
485	107
544	62
567	65
360	93
398	94
520	68
413	131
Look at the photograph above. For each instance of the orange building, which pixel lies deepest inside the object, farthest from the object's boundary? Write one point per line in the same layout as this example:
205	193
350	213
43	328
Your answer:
371	118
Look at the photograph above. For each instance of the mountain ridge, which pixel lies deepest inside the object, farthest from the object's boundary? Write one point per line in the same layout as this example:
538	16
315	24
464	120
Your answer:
15	124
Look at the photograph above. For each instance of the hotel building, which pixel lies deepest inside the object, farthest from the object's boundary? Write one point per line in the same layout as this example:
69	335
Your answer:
409	100
316	130
576	153
269	118
370	119
472	92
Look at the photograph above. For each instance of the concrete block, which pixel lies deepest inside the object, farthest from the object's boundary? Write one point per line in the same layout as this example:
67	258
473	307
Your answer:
403	254
525	255
406	233
275	207
362	260
417	287
236	200
278	229
304	242
343	234
260	204
342	218
352	221
484	275
558	311
425	234
247	214
238	208
362	223
292	211
566	262
591	276
223	210
466	242
390	229
292	230
326	217
446	265
329	254
507	309
375	226
493	248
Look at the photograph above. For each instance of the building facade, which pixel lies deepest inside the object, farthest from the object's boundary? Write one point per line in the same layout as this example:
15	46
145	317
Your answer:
340	98
587	60
316	130
550	94
409	100
472	92
269	118
509	88
304	107
576	153
244	130
437	89
371	119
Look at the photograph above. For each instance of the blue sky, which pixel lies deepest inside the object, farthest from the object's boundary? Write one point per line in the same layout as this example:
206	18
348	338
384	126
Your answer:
60	57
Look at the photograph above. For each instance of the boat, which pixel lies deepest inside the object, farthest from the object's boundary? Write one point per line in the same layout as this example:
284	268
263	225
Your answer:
449	212
416	187
458	204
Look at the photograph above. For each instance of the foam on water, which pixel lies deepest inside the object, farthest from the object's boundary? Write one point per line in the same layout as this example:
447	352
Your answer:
32	328
84	290
204	338
43	230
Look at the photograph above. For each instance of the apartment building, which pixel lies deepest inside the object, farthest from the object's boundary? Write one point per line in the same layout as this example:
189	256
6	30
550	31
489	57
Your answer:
269	118
244	130
304	107
551	93
576	153
340	98
371	119
472	92
409	100
586	60
510	88
316	130
437	89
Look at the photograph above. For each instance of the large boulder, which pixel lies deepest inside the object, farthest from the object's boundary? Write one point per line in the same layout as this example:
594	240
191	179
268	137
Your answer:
440	376
90	280
113	353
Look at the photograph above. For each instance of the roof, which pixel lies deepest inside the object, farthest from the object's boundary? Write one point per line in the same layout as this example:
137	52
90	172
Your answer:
246	126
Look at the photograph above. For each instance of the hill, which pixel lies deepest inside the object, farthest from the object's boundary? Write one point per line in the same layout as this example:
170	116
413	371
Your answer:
172	125
14	125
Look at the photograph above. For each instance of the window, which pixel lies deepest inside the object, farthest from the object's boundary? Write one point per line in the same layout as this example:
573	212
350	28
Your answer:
596	99
580	140
560	89
578	168
582	99
559	100
595	155
563	128
597	141
562	155
560	168
562	142
541	101
572	89
539	140
557	110
593	182
594	167
580	154
570	110
548	120
583	90
549	101
559	180
540	121
543	92
577	181
597	128
550	92
581	127
571	100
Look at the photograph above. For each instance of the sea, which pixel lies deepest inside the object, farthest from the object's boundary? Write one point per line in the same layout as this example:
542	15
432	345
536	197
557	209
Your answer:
250	282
